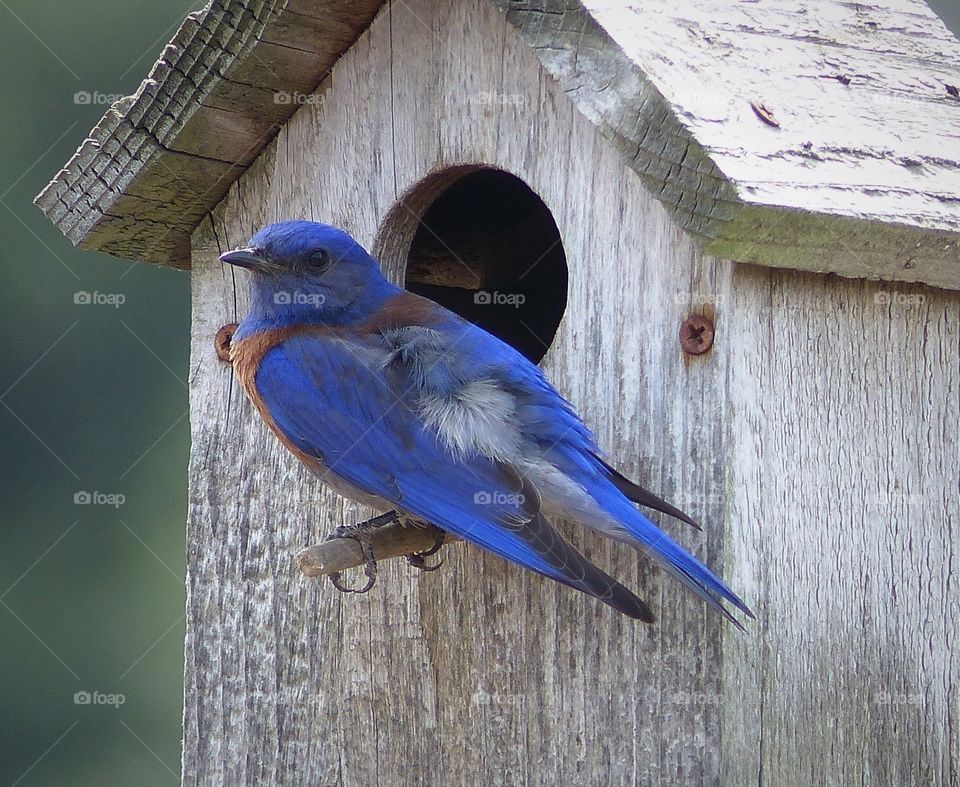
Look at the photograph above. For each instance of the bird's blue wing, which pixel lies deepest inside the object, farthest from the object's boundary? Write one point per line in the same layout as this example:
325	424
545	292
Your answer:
559	436
336	401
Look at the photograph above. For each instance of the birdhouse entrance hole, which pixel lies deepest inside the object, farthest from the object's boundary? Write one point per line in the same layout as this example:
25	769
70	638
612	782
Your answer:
481	242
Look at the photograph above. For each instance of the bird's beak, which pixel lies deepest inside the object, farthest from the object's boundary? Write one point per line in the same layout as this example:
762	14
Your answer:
247	258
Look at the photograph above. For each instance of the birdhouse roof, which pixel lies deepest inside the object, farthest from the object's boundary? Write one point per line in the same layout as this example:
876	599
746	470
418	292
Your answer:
822	137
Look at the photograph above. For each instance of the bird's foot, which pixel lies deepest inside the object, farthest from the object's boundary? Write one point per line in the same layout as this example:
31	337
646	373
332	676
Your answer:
370	569
358	532
360	529
417	558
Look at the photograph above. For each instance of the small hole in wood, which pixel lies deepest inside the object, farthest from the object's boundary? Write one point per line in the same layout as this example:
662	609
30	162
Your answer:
482	243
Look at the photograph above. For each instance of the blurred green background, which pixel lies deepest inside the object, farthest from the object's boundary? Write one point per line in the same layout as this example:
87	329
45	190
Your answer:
93	401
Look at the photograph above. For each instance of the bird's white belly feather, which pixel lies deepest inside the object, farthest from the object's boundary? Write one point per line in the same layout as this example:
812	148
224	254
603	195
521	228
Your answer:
479	416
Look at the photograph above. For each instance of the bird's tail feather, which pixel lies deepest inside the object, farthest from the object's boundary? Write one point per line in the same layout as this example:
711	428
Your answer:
685	567
574	570
558	558
638	494
672	557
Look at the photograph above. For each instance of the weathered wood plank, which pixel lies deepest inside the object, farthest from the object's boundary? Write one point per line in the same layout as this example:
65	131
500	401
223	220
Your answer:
489	665
844	410
865	143
874	152
815	405
212	97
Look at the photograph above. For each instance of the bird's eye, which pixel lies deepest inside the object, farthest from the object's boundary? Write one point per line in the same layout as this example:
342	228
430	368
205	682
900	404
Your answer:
319	259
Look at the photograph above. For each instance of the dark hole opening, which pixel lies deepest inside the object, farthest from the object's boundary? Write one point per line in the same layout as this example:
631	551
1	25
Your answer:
488	249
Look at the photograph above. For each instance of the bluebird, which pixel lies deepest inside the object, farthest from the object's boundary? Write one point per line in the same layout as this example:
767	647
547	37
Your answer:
398	403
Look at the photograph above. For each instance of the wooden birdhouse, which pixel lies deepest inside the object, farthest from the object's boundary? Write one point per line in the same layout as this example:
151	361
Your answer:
729	232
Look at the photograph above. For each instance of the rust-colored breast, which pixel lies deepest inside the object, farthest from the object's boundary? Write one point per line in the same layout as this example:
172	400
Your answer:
246	355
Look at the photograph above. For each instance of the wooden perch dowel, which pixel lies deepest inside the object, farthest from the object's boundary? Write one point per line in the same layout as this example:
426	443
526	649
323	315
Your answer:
389	541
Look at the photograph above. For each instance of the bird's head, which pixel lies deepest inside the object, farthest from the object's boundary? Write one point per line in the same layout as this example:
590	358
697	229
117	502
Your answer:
303	270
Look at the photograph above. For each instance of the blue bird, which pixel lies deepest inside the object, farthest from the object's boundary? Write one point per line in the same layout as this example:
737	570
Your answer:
401	404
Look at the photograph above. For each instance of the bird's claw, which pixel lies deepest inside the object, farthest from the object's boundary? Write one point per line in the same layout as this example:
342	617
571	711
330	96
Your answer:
417	558
370	569
357	533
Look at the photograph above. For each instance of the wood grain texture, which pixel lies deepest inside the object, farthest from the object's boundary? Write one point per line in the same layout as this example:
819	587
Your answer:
861	176
159	160
842	471
816	442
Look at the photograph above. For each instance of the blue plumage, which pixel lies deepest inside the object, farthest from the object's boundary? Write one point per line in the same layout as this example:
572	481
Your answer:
402	404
